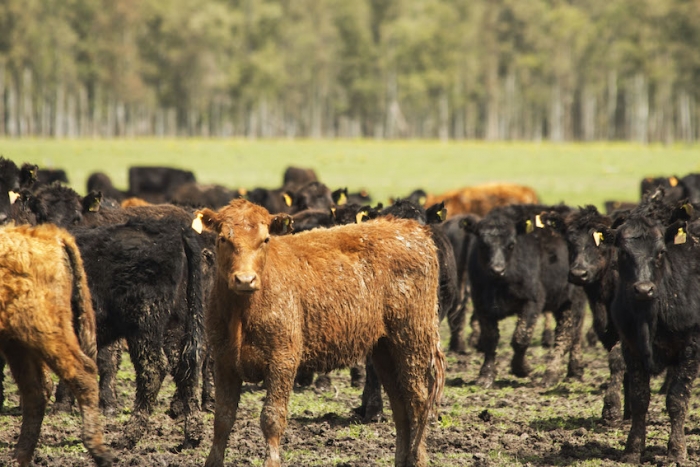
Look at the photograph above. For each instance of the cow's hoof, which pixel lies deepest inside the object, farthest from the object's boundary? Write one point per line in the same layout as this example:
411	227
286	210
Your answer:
631	458
521	369
485	381
549	379
548	339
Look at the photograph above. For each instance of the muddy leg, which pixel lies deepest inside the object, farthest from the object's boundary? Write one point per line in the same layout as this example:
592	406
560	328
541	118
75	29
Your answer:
273	419
548	331
639	405
80	374
372	404
108	359
488	342
456	320
207	383
28	373
612	412
562	344
387	371
522	336
150	367
677	405
228	394
357	375
575	366
474	337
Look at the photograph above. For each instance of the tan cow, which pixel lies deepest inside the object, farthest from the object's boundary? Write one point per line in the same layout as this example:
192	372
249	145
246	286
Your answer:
480	199
318	301
44	294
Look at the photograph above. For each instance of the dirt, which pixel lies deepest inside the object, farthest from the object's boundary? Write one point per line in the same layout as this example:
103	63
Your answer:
514	423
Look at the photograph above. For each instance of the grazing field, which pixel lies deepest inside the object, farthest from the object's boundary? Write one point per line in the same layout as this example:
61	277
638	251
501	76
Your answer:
515	423
573	173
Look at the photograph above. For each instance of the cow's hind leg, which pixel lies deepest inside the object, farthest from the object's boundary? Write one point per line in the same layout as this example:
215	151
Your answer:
677	405
488	342
29	375
273	418
108	360
79	373
147	356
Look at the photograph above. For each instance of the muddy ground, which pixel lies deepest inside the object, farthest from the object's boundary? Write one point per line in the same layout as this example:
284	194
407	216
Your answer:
514	423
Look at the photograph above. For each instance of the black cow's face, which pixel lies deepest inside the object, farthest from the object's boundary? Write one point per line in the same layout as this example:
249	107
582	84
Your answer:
496	245
587	253
9	187
641	257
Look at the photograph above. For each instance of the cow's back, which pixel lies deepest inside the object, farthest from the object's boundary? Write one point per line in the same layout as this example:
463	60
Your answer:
340	290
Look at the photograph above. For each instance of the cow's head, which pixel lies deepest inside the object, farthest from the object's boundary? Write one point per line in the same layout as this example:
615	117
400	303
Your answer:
244	234
589	239
10	183
496	240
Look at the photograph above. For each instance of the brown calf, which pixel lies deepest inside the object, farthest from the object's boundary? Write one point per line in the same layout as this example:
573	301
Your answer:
44	294
480	199
318	301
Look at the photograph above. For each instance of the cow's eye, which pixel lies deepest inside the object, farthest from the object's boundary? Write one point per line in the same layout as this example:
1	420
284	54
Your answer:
267	240
511	245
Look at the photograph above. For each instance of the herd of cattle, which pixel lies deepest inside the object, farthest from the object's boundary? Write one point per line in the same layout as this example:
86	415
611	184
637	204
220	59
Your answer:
216	286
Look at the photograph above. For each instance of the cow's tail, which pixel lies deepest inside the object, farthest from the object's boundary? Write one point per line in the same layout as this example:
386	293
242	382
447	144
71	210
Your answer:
81	300
190	357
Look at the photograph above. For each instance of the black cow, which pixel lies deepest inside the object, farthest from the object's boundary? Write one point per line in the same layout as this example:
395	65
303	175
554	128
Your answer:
196	195
144	269
313	195
49	176
516	268
276	201
674	188
593	265
656	310
157	184
101	182
692	185
296	177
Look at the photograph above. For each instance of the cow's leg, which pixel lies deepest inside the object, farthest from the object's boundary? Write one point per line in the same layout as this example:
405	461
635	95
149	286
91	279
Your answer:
456	320
476	330
207	382
228	393
612	413
279	380
2	383
80	375
146	352
639	394
548	331
575	366
387	373
562	344
522	336
372	404
488	342
28	372
677	403
108	360
64	399
186	376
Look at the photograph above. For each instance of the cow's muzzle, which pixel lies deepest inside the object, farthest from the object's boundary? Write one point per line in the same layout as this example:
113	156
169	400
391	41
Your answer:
498	270
578	276
245	282
644	290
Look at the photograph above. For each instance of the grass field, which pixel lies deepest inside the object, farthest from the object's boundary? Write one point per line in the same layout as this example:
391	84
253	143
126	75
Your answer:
573	173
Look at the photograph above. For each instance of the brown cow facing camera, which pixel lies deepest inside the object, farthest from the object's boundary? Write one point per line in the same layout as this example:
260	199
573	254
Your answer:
318	301
47	319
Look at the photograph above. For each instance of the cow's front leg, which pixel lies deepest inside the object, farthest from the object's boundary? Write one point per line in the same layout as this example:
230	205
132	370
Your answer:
273	419
522	336
639	394
228	393
677	404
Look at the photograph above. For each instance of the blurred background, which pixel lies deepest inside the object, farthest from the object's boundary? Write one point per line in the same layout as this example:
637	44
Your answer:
576	70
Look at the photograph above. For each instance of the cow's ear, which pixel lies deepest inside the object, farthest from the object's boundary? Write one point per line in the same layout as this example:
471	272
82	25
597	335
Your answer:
554	221
28	175
436	213
468	224
362	215
676	233
39	209
282	224
340	196
684	212
92	201
206	219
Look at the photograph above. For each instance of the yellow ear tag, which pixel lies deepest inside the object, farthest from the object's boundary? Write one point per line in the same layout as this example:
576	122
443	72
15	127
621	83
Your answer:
94	207
442	214
333	212
597	238
688	208
342	199
538	222
13	196
528	226
673	181
197	223
242	191
360	216
680	237
422	200
287	199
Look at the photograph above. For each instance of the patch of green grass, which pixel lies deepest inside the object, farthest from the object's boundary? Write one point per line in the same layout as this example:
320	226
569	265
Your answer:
575	173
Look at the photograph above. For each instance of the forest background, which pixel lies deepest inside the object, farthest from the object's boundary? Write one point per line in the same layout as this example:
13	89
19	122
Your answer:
558	70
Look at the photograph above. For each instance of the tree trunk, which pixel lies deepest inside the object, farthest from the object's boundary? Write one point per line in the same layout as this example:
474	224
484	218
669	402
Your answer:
492	99
612	105
556	114
2	98
640	109
444	118
588	113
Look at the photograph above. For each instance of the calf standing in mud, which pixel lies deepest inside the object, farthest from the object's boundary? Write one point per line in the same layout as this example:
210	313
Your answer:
317	301
516	268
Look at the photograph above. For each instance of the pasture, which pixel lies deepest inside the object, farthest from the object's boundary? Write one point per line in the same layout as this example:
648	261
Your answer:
513	423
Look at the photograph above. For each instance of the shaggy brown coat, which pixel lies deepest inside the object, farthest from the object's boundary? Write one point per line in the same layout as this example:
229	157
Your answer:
322	300
44	294
481	199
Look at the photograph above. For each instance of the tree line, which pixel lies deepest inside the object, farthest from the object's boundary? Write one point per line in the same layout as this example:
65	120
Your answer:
558	70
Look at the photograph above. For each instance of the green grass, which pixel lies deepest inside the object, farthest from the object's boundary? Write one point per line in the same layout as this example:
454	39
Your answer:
573	173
